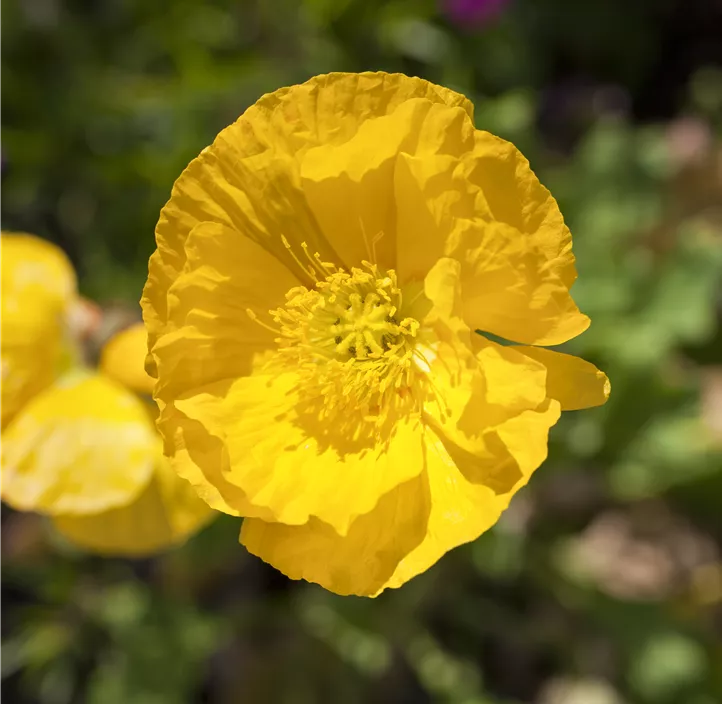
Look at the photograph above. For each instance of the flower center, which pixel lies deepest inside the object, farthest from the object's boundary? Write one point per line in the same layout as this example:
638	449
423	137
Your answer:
350	344
346	317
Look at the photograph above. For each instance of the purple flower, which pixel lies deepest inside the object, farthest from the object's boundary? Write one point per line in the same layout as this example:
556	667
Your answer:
474	11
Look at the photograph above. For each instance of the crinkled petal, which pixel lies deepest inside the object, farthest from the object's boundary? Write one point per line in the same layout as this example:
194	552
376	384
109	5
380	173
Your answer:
465	501
83	446
209	334
202	459
478	383
481	407
294	464
515	197
350	187
362	561
452	502
489	211
434	200
510	289
210	337
123	356
248	180
165	514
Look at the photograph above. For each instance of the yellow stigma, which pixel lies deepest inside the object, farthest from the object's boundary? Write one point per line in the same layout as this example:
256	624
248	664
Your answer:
347	339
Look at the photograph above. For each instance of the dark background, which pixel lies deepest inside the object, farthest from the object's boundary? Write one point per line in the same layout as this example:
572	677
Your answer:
602	584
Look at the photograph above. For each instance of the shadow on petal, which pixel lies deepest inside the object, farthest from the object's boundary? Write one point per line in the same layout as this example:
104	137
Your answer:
496	468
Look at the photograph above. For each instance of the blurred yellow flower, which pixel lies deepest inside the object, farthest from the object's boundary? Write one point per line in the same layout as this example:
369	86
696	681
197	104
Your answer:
38	293
36	268
312	305
85	452
121	359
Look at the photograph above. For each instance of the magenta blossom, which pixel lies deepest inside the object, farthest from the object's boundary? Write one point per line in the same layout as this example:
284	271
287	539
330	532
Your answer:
474	11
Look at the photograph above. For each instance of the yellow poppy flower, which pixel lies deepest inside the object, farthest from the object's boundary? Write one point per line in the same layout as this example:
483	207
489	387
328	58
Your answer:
85	452
320	274
38	290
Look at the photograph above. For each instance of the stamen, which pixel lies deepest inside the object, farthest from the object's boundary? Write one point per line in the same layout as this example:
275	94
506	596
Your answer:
370	245
376	239
256	319
369	251
315	265
325	266
310	271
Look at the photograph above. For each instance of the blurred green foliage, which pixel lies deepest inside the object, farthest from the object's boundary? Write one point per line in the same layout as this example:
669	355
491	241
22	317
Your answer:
603	582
